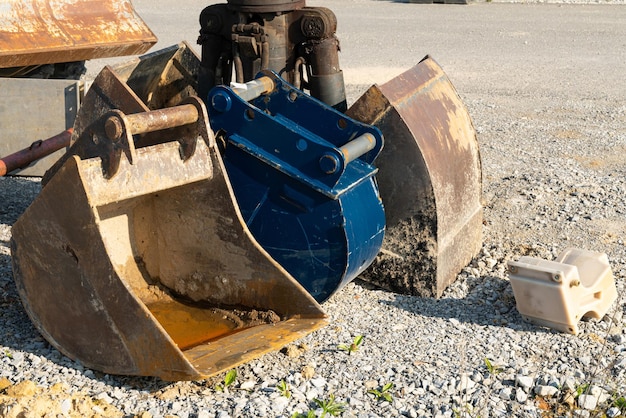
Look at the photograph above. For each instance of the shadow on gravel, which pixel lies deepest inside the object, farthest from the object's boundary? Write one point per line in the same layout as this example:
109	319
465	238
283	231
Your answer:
16	195
489	302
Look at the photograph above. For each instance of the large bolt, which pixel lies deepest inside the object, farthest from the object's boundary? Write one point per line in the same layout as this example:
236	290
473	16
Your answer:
113	128
329	163
221	102
313	26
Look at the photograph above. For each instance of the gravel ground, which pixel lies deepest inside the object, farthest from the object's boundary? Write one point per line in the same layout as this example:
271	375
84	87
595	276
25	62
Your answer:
554	177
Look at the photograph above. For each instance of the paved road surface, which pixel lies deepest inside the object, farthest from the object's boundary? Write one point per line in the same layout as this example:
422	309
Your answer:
547	48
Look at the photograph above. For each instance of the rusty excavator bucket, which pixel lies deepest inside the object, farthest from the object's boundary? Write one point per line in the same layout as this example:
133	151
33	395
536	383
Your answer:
134	258
429	178
41	32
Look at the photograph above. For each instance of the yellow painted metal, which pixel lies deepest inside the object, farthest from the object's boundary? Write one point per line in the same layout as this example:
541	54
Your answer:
36	32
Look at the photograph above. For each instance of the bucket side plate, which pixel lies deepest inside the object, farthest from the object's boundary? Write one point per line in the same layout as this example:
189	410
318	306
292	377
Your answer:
429	178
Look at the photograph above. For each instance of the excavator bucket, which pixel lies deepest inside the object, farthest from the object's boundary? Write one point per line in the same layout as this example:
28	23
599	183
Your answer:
40	32
429	179
134	258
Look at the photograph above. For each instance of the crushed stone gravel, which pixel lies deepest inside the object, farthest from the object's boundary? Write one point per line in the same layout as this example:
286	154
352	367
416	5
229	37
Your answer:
554	177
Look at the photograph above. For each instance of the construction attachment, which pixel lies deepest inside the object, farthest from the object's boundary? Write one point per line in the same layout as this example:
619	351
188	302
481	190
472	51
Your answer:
558	294
301	171
429	171
244	37
134	258
429	178
304	181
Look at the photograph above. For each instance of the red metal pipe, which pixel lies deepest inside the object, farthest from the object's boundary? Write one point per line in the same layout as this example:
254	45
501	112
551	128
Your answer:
36	151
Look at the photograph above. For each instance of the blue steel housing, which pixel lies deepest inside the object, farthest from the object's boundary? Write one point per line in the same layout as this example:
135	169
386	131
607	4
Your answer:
306	197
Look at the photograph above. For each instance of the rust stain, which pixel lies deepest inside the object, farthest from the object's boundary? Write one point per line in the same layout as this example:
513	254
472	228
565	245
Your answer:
429	177
568	134
610	159
189	326
50	31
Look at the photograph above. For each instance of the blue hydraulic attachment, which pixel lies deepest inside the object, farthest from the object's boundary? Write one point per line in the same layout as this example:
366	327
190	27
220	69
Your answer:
302	175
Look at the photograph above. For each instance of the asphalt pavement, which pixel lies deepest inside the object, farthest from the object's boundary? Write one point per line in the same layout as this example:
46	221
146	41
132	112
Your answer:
566	48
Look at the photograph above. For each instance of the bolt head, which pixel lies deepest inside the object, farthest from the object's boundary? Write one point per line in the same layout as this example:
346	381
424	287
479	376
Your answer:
221	102
329	163
113	128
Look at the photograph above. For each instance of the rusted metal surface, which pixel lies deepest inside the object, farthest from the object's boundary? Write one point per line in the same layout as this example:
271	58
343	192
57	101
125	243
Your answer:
107	266
429	178
161	79
37	150
157	120
297	42
51	31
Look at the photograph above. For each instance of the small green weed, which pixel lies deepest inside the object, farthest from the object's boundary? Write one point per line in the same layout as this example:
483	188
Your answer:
331	406
356	343
283	388
493	370
384	394
467	412
229	379
620	403
308	414
582	389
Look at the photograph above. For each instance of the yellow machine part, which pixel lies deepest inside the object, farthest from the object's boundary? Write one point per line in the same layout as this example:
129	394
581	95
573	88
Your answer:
37	32
134	258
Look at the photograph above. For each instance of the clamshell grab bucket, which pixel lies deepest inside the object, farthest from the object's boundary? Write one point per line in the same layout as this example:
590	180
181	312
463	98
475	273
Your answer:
429	179
134	258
